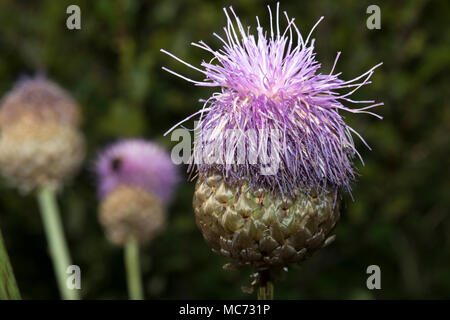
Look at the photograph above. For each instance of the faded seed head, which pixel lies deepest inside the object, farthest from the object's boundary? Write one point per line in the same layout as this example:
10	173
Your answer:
40	143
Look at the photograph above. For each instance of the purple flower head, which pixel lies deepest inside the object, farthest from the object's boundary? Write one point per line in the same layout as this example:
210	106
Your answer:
270	82
41	98
136	162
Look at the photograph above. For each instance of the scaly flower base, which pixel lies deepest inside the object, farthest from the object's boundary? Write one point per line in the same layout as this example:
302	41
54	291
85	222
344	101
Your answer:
257	229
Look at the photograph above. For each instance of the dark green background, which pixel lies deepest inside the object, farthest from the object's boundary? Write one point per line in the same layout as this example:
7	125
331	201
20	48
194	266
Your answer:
399	218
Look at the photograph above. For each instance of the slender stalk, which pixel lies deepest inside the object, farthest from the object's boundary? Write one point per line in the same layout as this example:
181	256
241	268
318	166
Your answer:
132	265
265	285
56	241
8	285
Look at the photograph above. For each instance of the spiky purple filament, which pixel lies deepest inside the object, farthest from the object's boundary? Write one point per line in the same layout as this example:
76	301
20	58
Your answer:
271	83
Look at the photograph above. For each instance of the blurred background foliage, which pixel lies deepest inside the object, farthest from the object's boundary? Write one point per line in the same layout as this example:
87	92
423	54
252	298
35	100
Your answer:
399	218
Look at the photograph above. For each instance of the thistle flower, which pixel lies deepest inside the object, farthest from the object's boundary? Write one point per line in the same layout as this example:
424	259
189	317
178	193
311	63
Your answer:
136	181
40	144
41	147
274	83
270	82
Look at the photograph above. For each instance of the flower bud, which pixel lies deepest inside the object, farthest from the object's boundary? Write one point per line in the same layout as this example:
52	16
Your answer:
131	211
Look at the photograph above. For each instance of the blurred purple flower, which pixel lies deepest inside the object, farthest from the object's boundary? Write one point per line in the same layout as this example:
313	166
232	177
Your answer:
137	162
271	81
41	98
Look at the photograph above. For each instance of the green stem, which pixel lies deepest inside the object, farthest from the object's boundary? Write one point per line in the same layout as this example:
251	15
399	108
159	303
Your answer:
56	241
132	265
8	285
265	285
